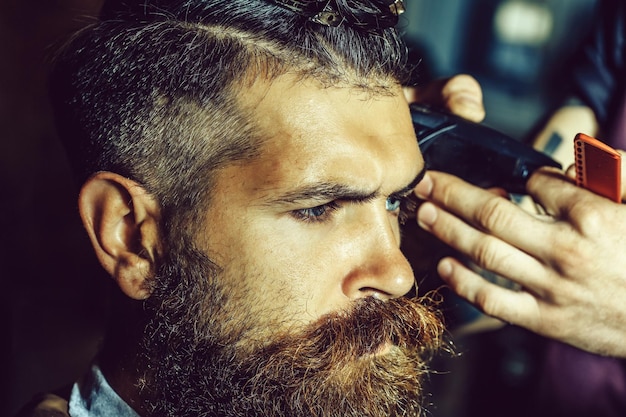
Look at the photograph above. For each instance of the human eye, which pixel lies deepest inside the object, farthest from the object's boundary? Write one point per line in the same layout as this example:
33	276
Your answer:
402	206
393	203
319	213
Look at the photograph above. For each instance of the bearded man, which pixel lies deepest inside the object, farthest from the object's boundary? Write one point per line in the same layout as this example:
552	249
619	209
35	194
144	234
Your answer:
244	166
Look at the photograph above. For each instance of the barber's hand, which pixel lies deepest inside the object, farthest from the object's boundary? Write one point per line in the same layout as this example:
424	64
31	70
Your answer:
461	95
570	263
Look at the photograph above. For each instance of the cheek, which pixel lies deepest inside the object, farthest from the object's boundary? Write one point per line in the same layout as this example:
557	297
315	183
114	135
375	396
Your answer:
297	267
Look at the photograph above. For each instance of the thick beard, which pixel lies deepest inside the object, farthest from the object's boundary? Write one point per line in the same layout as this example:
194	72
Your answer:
196	365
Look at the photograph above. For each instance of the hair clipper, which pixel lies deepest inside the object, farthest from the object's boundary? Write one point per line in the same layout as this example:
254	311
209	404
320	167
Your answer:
474	152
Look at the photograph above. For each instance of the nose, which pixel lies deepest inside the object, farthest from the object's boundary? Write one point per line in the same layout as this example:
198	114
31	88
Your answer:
381	269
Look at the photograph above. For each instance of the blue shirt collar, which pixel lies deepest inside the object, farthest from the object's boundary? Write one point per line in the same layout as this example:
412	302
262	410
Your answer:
92	396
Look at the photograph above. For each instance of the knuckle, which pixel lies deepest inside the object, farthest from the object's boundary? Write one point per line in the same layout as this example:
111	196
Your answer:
490	305
462	82
589	216
568	257
545	181
537	179
444	191
486	255
493	215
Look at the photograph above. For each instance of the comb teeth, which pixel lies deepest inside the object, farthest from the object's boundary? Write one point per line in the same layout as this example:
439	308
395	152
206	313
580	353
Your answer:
579	164
598	167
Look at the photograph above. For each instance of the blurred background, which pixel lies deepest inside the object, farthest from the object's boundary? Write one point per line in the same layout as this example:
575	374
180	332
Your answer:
517	49
53	301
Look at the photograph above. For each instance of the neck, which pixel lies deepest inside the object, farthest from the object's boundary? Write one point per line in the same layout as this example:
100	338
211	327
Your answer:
119	358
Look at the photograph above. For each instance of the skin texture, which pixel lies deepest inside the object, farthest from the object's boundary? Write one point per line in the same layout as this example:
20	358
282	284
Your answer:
303	235
318	195
249	214
296	237
569	262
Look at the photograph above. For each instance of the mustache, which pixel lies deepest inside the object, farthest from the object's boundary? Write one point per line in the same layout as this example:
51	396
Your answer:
337	367
367	360
411	325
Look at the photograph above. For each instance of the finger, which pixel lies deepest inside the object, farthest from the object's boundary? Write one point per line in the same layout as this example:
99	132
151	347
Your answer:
489	213
411	94
554	190
584	210
515	307
485	250
465	106
570	172
462	84
463	96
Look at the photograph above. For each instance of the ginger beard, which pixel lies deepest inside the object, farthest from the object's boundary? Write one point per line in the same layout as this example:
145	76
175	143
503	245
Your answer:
367	361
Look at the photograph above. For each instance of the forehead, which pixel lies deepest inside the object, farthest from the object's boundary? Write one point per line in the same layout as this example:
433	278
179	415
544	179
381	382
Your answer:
342	134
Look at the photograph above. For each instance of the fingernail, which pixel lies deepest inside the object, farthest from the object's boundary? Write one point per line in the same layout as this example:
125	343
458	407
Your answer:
444	269
426	215
424	188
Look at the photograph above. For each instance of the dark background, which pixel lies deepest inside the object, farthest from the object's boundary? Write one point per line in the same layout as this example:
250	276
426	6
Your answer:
53	298
52	302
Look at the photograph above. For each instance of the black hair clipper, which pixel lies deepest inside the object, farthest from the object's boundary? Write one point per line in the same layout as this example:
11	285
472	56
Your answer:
474	152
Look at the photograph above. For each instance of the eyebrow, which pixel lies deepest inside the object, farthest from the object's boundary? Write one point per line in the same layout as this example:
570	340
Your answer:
409	188
326	191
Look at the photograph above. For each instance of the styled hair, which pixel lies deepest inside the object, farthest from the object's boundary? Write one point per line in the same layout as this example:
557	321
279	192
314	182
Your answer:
149	91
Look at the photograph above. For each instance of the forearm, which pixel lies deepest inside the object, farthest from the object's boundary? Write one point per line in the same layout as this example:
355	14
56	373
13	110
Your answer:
556	136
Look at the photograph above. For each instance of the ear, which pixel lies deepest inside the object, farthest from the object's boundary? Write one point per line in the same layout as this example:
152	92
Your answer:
122	221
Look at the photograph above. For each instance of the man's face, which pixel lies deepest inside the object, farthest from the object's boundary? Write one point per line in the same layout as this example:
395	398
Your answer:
311	225
289	302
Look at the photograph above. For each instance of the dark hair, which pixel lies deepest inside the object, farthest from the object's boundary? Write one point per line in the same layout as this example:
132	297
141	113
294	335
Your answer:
149	91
